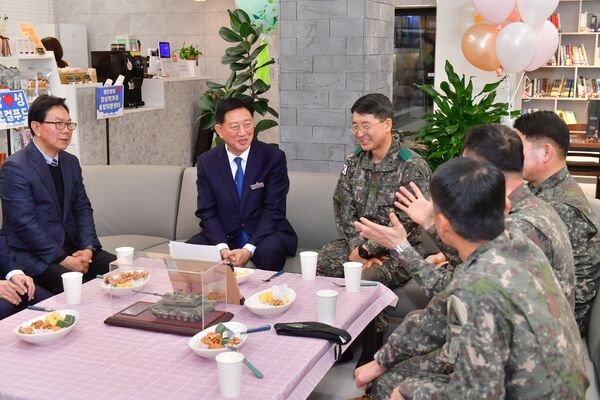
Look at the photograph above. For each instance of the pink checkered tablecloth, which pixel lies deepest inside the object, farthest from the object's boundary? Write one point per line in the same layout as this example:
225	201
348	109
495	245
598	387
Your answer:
97	361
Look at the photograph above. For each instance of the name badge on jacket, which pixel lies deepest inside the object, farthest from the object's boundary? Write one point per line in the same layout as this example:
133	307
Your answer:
257	185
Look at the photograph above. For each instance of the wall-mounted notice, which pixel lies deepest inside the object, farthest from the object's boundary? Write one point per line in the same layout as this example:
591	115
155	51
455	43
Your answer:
13	109
109	101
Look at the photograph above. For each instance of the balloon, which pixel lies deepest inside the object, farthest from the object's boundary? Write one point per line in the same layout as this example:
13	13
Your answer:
514	15
547	43
264	13
516	46
494	10
478	19
534	12
479	46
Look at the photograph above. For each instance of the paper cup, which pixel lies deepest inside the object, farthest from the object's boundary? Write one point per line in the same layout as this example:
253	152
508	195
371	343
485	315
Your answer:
326	302
72	283
229	368
352	275
308	263
124	255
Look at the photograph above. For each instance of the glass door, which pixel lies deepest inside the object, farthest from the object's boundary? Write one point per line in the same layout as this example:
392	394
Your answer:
414	51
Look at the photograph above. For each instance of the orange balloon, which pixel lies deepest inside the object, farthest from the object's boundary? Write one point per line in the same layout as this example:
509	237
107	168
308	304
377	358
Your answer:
478	19
514	15
479	46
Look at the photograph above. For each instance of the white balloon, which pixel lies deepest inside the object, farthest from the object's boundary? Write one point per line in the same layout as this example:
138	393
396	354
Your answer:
547	43
516	46
534	12
495	11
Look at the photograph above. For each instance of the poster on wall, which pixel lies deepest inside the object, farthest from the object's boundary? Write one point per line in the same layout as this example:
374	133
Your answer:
13	109
109	101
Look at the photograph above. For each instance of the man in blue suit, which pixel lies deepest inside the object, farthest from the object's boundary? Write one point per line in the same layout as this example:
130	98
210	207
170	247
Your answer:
17	290
242	189
47	215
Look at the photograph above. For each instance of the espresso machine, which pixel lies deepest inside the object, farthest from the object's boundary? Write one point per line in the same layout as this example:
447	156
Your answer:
111	64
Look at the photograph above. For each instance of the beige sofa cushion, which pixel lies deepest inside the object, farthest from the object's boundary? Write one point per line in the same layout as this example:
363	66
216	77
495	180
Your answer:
187	222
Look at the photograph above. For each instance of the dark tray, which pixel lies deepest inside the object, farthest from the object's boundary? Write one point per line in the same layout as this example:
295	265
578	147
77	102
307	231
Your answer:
140	318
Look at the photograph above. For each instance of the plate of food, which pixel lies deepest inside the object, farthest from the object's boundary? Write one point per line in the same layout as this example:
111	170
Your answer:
122	283
272	301
210	342
242	274
48	328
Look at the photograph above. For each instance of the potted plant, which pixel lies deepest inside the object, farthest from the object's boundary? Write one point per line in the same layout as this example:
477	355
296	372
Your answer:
242	59
190	55
457	111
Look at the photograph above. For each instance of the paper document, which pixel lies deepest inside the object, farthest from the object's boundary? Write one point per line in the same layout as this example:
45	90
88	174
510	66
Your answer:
189	251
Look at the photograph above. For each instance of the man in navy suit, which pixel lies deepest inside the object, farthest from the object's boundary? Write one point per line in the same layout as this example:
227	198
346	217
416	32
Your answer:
48	219
17	290
242	188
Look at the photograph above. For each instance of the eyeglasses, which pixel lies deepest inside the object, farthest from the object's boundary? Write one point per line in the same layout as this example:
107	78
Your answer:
356	129
62	125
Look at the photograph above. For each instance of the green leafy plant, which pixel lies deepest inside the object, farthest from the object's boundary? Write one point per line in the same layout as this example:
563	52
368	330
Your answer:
242	83
457	111
190	52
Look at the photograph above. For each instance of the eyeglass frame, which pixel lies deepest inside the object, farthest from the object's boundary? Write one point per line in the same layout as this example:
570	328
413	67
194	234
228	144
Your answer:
356	129
69	125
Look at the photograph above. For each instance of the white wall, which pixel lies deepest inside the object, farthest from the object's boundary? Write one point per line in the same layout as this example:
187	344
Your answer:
33	11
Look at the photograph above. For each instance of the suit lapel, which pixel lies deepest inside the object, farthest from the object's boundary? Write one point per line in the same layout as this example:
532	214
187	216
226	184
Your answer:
226	175
38	163
252	169
67	184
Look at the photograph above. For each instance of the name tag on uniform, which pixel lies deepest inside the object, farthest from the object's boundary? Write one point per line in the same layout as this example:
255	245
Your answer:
257	185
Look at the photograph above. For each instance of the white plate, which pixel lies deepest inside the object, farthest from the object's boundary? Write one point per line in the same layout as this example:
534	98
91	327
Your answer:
124	291
195	342
242	274
266	310
47	336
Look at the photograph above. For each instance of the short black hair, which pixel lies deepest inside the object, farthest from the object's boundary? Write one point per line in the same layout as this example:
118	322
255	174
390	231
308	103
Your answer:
375	104
471	193
498	144
229	104
545	125
40	106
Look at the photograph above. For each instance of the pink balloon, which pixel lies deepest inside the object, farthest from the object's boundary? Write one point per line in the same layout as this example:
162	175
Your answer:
494	11
547	43
516	46
534	12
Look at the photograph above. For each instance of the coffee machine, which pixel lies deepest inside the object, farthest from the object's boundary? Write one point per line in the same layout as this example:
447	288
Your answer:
111	64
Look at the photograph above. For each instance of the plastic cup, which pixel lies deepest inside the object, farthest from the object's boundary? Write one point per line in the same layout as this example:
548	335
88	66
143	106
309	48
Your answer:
326	302
308	263
124	256
352	275
229	368
72	284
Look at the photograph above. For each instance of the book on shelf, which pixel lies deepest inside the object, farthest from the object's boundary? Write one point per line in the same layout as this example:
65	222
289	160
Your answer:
588	22
555	19
593	112
568	116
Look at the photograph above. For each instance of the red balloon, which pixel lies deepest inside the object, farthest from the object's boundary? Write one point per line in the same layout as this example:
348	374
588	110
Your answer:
479	46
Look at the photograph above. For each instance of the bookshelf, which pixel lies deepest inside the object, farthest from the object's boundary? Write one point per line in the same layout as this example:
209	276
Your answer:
574	76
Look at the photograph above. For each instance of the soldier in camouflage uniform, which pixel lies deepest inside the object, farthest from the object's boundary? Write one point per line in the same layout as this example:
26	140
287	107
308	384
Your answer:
366	187
501	328
545	143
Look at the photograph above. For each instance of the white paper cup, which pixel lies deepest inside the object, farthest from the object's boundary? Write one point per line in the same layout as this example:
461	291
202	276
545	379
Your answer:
326	302
124	255
352	275
308	263
229	367
72	283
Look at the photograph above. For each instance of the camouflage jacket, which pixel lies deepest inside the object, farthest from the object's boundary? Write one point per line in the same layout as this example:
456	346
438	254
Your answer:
537	220
366	189
563	193
501	328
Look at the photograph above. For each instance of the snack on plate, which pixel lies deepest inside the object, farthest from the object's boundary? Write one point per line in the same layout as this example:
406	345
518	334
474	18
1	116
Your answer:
53	321
241	272
215	340
125	279
276	296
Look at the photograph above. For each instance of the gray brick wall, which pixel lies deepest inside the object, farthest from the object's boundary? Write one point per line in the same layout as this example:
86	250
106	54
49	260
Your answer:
332	52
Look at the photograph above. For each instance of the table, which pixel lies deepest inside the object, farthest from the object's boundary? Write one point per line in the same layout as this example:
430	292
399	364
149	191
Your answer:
97	361
577	143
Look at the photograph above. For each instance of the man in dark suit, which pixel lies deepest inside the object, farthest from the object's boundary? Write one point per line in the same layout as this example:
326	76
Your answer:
47	215
17	290
242	188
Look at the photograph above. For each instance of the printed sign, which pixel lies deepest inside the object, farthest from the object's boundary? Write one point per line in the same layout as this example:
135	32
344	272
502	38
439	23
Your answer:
13	109
109	101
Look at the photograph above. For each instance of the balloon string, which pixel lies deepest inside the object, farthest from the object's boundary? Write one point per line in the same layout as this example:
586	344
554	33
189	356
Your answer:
512	86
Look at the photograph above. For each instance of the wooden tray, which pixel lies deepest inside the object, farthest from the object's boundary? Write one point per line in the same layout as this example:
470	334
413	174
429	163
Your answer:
146	321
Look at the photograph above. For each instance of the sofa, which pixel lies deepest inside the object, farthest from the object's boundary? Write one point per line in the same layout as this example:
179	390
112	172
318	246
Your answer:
147	206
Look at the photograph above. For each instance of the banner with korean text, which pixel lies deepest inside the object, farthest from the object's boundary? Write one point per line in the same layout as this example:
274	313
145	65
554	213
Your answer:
13	109
109	101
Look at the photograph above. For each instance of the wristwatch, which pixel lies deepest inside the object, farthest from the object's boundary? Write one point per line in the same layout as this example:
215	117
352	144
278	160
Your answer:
363	253
397	251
